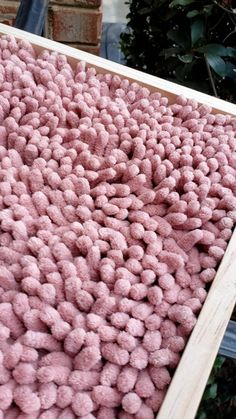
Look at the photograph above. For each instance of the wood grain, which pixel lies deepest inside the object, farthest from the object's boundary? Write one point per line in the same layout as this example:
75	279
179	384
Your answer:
187	386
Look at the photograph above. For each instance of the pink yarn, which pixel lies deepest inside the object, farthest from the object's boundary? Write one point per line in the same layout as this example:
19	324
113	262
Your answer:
115	211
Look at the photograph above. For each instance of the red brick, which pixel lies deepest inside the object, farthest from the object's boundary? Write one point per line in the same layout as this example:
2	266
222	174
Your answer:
9	22
8	10
80	3
92	49
74	24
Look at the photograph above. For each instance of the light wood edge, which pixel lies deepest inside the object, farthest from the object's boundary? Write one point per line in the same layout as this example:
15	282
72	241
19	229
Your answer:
169	89
187	386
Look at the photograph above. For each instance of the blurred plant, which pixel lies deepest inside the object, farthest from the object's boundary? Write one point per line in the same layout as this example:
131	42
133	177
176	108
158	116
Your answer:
219	399
191	42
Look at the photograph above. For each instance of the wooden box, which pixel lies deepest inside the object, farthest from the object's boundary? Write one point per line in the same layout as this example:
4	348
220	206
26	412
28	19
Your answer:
187	386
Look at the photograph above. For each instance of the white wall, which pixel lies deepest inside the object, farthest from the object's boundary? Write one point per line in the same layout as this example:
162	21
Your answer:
114	11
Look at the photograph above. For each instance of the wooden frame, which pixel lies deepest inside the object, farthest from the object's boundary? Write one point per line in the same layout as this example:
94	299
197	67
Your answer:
187	386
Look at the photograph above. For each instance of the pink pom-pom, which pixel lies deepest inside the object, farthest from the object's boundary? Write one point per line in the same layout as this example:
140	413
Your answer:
114	354
139	358
144	385
155	295
109	374
47	395
160	358
82	404
152	340
135	327
27	401
6	396
131	403
24	373
145	412
87	358
127	379
83	380
106	396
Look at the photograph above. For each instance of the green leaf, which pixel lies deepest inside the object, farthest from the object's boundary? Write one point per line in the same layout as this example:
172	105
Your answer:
219	362
178	37
231	71
210	392
217	63
213	391
183	71
170	52
211	380
144	11
181	2
207	10
187	58
193	13
231	52
214	49
197	31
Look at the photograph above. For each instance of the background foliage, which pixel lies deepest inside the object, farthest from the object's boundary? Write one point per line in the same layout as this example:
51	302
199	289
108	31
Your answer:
191	42
219	399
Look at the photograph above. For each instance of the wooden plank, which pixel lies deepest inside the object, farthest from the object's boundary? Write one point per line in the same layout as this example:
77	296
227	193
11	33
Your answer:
169	89
185	391
189	381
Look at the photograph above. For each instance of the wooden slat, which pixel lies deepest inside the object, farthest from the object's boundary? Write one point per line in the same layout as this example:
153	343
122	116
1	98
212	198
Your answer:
190	378
169	89
187	386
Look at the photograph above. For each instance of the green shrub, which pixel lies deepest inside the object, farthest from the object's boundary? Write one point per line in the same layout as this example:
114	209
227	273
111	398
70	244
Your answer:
219	399
191	42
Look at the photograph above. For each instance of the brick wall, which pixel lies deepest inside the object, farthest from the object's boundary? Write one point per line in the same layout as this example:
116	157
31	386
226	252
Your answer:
8	11
73	22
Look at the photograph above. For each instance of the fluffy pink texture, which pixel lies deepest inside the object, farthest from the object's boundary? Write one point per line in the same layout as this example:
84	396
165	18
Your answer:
55	373
152	340
6	396
160	377
131	403
87	358
47	395
144	386
106	412
109	374
24	373
27	400
83	380
82	404
106	396
139	358
155	295
113	353
74	341
115	211
145	412
126	341
155	401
